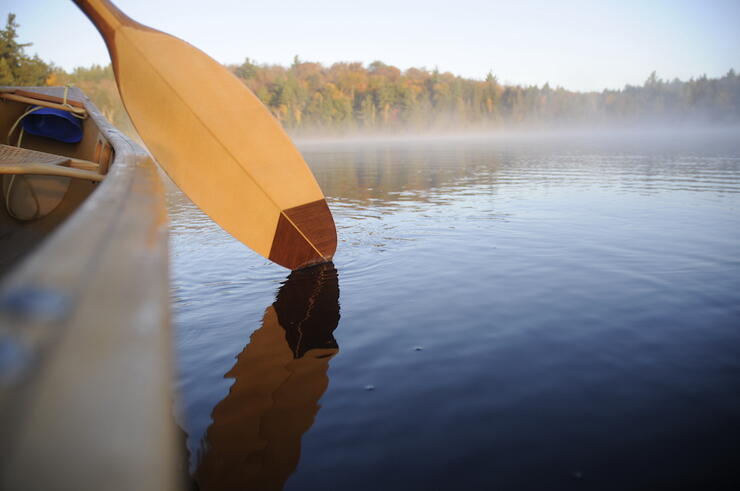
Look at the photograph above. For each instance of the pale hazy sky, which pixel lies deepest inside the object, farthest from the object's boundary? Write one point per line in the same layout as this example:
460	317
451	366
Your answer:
578	44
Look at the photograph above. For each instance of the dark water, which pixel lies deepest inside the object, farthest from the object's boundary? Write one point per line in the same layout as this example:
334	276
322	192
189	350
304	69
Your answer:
509	313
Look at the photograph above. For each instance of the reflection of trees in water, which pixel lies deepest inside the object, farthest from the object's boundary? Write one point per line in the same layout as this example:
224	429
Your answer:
254	441
383	173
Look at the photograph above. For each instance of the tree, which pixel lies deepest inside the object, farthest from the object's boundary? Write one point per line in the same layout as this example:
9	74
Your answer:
246	70
16	67
367	112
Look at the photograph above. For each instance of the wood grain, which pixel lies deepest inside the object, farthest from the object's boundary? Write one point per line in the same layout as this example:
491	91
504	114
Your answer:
317	224
305	235
213	137
290	249
48	98
39	102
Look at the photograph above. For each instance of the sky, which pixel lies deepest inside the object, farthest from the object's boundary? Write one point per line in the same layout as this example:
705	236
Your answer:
577	44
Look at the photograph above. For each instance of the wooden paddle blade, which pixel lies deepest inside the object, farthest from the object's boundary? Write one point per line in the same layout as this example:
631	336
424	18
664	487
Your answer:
217	141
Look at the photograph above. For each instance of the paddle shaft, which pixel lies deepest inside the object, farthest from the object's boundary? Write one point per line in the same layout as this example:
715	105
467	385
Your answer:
104	15
106	18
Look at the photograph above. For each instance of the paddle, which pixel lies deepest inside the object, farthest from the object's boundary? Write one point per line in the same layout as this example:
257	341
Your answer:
217	141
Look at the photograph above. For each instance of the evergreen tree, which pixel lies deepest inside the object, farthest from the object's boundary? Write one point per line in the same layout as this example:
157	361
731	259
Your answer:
16	67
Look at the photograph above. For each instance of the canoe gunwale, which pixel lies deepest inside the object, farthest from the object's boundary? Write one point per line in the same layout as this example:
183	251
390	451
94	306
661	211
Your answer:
88	396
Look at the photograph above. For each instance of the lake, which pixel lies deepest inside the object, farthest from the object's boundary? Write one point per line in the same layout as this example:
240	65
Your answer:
520	312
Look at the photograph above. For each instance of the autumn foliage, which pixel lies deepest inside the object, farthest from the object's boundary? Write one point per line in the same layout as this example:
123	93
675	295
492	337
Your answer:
379	97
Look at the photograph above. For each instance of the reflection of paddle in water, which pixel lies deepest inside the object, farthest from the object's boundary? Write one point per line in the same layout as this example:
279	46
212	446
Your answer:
254	441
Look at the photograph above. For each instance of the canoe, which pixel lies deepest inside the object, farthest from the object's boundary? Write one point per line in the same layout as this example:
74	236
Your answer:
85	364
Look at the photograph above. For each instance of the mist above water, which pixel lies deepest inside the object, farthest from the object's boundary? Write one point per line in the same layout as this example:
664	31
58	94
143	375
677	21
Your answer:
644	135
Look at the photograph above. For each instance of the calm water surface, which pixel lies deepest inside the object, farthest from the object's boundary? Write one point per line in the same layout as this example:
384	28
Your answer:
502	313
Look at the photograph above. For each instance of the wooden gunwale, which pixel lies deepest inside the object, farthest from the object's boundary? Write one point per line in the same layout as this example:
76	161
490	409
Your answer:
32	100
84	397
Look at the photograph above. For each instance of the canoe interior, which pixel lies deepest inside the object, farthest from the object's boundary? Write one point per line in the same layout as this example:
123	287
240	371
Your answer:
85	366
60	196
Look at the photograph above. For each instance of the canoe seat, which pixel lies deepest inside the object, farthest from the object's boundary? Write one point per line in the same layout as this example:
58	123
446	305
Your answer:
34	183
34	162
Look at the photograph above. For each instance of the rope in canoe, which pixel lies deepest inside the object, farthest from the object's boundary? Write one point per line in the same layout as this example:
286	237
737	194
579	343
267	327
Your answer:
11	182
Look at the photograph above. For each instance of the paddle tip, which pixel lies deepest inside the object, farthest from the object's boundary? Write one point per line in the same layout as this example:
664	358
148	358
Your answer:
305	236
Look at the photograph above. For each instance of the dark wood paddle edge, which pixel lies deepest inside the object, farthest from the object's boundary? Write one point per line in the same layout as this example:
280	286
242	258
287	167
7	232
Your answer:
291	250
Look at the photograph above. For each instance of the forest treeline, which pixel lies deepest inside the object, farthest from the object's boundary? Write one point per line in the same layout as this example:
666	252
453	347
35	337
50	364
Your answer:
309	97
380	96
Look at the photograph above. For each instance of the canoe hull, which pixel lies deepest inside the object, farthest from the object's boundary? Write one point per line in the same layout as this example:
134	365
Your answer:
86	403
